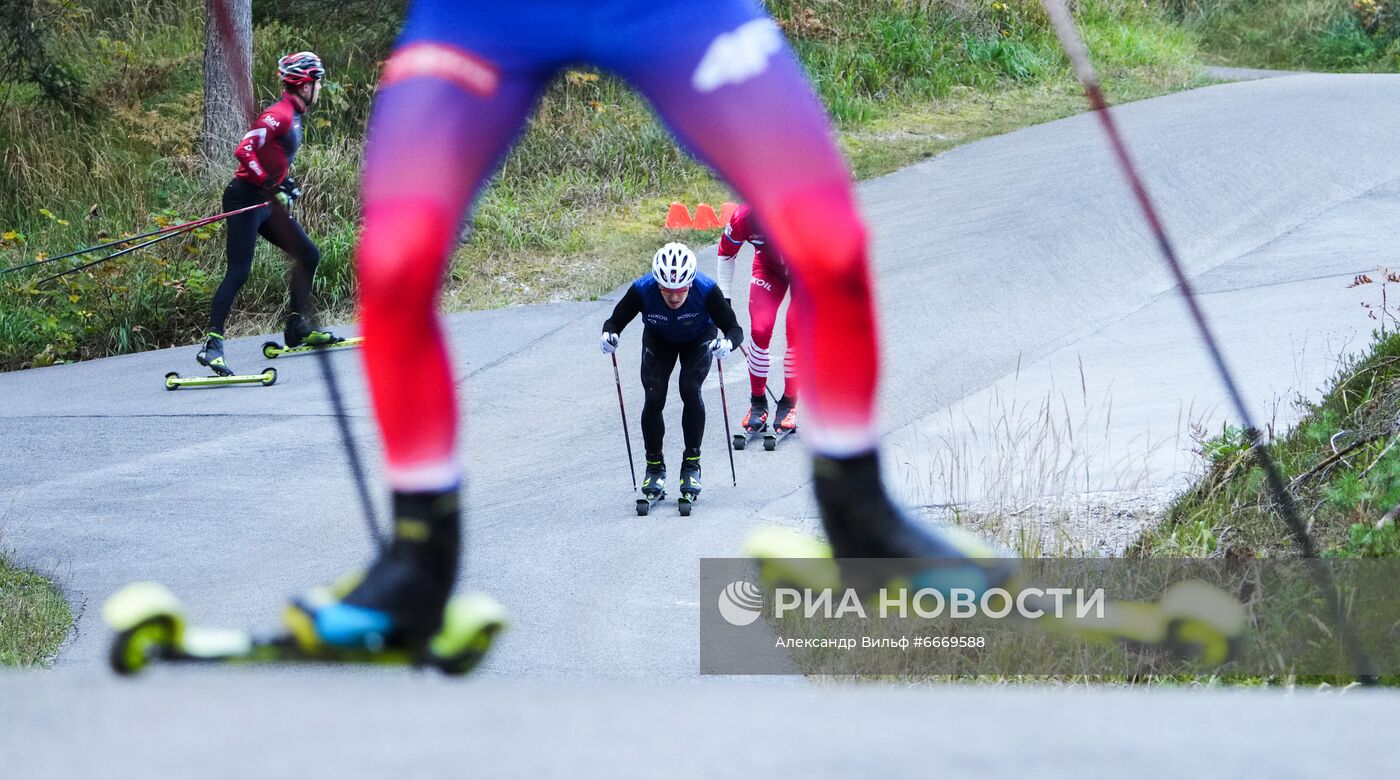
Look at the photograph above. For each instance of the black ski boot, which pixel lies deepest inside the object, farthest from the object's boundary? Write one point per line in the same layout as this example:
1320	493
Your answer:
785	416
690	481
862	522
757	418
212	355
399	602
690	474
654	481
299	332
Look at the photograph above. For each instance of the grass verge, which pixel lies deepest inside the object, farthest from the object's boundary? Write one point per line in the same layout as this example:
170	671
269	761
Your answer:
1324	35
34	617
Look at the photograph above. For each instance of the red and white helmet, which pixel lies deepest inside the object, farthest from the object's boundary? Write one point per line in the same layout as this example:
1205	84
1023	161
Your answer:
300	68
673	266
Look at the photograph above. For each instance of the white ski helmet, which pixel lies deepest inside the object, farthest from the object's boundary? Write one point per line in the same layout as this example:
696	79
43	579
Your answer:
673	266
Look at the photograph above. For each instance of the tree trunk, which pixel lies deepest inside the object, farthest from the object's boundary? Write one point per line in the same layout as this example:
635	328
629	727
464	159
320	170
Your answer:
228	78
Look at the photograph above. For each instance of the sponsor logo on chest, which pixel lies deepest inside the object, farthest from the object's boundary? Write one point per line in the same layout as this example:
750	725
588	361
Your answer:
662	319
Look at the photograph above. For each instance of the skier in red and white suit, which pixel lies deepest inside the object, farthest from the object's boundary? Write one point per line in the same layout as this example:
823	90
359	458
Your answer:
769	286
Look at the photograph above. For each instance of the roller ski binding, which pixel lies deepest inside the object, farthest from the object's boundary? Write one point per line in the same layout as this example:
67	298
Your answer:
755	422
301	338
690	481
784	423
150	626
211	355
653	483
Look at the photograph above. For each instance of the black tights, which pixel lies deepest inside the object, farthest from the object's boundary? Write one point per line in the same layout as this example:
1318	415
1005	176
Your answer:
659	357
277	226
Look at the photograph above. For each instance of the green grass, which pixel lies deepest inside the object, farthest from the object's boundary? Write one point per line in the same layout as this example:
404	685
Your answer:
34	618
1326	35
576	209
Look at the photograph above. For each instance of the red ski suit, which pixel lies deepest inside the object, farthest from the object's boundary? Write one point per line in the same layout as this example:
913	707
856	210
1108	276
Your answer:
767	289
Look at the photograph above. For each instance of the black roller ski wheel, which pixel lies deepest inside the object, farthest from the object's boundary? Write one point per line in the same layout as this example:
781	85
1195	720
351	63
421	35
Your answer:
740	440
133	649
169	385
466	662
270	349
270	377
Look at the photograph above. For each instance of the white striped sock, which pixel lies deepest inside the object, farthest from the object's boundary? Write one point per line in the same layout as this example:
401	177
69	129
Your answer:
758	361
420	477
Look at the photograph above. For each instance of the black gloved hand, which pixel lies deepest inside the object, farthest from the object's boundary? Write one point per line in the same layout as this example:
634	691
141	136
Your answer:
290	188
284	193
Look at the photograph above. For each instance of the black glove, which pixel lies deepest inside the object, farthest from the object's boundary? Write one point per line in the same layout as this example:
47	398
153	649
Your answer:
284	193
290	188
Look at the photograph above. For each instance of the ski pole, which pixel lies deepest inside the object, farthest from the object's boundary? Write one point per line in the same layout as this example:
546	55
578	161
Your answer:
129	249
724	407
185	228
771	394
169	229
627	437
352	453
1083	68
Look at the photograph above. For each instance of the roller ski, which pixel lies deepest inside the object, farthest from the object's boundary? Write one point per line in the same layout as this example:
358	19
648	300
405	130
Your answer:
272	349
755	422
1192	618
690	482
268	377
301	338
784	423
653	484
398	613
151	627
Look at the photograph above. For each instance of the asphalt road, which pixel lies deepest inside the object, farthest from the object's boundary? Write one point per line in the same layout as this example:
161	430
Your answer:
240	725
1014	267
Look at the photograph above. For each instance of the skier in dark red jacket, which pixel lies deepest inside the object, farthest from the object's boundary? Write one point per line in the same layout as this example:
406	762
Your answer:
265	155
